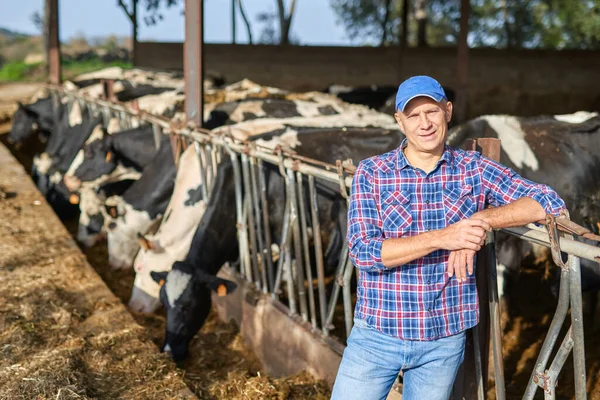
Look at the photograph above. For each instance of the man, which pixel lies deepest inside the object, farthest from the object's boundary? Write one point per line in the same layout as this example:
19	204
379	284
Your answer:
416	219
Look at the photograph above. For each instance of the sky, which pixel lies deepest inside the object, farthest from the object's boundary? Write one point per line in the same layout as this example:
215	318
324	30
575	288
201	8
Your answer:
314	21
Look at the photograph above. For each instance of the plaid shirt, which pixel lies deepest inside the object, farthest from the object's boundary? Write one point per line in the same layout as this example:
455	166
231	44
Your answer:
391	199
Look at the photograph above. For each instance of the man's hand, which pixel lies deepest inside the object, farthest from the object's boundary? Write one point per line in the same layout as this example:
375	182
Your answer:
460	262
467	234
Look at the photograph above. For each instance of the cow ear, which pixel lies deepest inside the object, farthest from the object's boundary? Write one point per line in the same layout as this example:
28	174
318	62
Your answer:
222	286
148	244
159	277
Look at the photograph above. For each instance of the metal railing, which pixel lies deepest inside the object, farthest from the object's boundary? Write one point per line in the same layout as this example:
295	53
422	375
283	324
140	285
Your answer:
300	242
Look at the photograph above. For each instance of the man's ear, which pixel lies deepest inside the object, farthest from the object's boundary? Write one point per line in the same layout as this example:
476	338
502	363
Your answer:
449	108
397	117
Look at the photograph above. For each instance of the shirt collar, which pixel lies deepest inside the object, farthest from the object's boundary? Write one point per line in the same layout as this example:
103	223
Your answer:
402	162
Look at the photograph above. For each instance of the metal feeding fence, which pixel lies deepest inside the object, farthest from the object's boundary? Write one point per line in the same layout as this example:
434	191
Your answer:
286	275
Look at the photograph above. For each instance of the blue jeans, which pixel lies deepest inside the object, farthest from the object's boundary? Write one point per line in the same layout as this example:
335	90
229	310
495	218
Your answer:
372	361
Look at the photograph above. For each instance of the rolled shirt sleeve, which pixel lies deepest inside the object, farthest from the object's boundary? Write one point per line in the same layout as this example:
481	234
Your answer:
503	186
365	235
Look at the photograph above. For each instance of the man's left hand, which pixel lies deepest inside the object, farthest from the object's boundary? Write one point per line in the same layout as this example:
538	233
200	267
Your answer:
460	262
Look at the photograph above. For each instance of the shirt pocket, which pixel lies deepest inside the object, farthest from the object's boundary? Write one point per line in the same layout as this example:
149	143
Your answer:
459	203
396	213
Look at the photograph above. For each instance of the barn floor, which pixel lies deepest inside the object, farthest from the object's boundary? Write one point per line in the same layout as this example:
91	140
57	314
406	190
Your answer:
56	337
63	334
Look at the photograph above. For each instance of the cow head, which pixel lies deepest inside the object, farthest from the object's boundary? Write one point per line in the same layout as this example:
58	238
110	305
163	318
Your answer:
24	124
123	224
186	295
98	159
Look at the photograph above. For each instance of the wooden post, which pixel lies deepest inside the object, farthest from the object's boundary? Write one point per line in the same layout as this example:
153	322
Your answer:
53	43
193	60
466	384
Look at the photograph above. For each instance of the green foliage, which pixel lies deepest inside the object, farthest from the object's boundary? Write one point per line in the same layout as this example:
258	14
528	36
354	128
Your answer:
16	71
551	24
19	71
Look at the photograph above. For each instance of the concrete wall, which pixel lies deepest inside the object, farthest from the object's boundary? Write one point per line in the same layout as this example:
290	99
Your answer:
517	82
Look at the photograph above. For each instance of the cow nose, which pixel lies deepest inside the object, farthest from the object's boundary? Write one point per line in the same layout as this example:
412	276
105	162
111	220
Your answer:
112	226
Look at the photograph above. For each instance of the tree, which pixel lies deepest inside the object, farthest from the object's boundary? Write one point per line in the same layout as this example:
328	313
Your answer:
246	22
152	11
285	21
551	24
382	21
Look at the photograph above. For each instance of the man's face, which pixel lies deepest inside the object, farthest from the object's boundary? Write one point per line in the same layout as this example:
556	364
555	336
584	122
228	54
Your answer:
425	124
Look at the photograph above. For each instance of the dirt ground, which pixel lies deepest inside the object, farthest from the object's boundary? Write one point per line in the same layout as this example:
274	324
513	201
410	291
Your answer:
220	367
63	334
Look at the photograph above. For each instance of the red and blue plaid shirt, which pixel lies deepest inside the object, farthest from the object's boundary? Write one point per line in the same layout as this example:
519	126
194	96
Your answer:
391	199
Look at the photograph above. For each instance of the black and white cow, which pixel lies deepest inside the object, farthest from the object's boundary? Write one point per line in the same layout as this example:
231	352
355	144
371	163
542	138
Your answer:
562	151
215	241
186	292
29	119
110	156
373	96
108	160
139	208
233	112
171	242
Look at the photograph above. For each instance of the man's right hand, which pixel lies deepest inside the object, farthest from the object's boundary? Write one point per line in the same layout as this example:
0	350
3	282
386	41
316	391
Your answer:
465	234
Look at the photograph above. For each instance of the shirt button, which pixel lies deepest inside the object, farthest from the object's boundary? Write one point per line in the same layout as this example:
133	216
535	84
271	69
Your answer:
428	308
426	201
428	227
429	282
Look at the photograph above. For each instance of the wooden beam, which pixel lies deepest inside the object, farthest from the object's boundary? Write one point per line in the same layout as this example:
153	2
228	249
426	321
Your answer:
193	60
53	44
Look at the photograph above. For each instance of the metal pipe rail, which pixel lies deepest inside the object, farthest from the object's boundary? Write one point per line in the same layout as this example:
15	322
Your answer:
301	226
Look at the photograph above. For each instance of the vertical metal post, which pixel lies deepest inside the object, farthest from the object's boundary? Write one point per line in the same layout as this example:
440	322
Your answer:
304	227
314	209
495	316
577	327
283	246
241	225
251	225
193	60
262	253
202	164
209	173
291	187
265	216
339	279
53	43
157	133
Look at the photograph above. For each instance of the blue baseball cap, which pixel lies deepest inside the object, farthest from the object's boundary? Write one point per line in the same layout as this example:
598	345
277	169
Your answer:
418	86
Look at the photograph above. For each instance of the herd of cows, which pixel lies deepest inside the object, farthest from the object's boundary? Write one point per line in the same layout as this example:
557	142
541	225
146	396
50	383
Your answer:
128	186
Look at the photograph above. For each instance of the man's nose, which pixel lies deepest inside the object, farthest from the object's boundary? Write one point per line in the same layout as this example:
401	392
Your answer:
425	121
